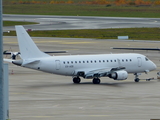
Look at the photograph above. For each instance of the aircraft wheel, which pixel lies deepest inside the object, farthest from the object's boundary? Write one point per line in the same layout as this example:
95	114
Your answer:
137	80
76	80
96	81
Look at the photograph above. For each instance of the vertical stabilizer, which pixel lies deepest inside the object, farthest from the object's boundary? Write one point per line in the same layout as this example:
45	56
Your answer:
28	48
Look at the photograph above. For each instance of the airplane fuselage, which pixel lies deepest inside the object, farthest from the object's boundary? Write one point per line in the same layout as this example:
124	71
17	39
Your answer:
69	65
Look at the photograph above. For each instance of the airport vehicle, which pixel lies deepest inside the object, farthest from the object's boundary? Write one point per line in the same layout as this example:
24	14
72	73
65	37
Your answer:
115	66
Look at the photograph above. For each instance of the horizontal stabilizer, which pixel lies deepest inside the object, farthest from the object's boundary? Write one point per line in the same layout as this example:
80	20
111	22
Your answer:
9	53
8	60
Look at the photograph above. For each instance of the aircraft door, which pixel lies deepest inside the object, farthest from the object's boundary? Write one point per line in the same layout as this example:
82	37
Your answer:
139	61
58	64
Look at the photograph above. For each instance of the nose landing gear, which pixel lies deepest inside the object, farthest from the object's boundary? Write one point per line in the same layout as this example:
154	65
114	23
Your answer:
136	77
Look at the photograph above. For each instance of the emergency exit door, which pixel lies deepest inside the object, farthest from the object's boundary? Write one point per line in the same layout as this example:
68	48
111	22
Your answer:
58	64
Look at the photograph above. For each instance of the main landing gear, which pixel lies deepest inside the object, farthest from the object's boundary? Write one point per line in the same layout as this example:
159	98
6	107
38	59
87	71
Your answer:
96	81
77	80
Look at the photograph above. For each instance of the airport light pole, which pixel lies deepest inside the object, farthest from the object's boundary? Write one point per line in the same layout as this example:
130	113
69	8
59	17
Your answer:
1	67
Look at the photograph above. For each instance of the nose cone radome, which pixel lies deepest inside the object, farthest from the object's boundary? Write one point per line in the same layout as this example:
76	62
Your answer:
153	66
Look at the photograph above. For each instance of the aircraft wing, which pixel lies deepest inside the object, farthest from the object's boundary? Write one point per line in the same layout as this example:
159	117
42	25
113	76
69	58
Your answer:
105	72
9	53
153	49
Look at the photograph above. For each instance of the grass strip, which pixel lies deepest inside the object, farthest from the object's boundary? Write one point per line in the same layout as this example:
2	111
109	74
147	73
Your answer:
82	10
13	23
133	33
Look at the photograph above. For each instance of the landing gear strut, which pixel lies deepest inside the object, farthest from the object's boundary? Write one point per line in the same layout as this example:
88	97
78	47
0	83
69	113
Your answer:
76	80
96	81
136	77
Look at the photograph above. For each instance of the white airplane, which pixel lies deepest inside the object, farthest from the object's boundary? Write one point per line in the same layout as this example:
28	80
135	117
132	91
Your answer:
115	66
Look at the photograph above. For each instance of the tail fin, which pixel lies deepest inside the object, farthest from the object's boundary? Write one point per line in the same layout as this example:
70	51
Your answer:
28	48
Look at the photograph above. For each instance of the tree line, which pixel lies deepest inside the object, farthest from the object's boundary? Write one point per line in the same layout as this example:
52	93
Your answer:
94	2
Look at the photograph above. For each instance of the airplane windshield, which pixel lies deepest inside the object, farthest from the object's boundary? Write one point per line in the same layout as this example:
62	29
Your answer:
146	59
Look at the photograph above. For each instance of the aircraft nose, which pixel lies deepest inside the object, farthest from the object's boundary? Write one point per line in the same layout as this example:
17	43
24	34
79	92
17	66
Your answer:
153	66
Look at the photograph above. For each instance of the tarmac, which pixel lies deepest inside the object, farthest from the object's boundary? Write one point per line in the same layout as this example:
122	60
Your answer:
35	95
56	22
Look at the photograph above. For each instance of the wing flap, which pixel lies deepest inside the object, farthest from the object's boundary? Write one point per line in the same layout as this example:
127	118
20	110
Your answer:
98	73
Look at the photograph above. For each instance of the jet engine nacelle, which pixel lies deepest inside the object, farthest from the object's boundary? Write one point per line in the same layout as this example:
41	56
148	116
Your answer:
119	75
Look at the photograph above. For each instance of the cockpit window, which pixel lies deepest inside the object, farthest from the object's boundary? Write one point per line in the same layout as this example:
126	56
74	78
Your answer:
146	59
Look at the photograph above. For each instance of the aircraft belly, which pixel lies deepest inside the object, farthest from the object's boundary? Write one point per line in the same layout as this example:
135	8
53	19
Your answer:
67	72
134	69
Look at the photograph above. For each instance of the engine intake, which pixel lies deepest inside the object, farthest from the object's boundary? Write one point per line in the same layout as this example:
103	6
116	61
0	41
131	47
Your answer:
119	75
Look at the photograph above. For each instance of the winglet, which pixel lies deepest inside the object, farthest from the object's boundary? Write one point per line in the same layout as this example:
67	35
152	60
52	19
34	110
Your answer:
28	48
